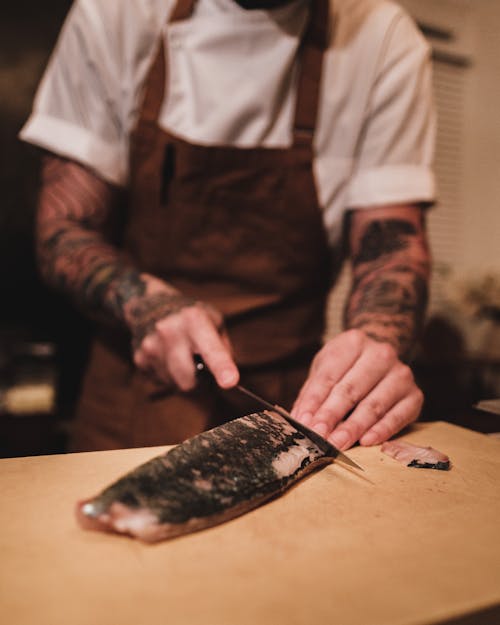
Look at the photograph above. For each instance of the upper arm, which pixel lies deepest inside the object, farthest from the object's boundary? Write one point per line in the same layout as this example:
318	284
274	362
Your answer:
393	159
84	105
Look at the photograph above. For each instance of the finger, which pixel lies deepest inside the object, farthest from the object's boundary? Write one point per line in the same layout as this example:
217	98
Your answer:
329	366
167	354
226	341
370	368
215	316
212	347
393	388
402	414
148	352
179	364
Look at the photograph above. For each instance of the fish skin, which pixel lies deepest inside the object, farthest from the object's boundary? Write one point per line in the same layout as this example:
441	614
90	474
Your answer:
206	480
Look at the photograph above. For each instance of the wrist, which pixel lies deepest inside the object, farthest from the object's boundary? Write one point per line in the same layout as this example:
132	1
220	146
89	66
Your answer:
158	301
396	333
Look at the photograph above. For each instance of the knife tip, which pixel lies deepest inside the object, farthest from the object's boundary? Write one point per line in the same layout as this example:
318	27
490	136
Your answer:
346	460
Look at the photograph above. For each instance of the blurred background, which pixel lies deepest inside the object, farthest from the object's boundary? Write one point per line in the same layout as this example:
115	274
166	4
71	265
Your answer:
43	340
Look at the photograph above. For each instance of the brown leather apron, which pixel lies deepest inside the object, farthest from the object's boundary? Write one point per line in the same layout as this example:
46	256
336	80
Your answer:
240	229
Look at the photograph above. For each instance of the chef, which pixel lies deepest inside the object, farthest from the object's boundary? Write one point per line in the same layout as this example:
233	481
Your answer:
209	164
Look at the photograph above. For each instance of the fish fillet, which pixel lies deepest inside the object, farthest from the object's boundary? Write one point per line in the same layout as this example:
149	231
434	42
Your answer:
211	478
415	456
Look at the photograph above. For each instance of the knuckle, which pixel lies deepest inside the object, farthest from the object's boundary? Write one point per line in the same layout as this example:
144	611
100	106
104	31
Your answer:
375	408
199	321
192	314
347	391
386	352
406	374
311	400
326	380
165	324
419	400
166	335
355	338
148	347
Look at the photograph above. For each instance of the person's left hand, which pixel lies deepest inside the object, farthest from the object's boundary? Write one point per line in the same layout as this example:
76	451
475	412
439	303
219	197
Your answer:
353	372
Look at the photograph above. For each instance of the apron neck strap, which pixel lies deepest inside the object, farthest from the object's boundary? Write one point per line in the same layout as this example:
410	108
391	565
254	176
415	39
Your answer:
156	80
182	10
312	47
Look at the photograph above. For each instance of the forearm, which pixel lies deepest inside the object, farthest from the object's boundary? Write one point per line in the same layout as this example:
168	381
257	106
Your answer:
74	254
391	267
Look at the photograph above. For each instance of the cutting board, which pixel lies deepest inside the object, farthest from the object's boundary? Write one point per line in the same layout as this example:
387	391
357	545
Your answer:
391	546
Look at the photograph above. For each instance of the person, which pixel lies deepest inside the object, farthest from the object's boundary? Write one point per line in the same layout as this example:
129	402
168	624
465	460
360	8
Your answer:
259	143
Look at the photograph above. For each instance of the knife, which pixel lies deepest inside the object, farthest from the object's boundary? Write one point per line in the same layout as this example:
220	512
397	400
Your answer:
325	446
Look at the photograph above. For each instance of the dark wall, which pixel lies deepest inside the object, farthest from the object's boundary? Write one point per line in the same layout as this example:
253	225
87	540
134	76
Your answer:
28	30
29	311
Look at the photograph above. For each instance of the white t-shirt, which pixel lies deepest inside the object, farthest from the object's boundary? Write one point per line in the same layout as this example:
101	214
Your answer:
232	80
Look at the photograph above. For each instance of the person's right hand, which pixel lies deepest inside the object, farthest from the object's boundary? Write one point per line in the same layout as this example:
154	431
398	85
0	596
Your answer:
168	329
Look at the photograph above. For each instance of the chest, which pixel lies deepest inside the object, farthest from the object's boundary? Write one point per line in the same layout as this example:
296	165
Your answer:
231	77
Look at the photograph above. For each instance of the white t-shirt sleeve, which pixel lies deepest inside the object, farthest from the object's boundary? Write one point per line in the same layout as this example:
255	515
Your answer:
393	163
77	112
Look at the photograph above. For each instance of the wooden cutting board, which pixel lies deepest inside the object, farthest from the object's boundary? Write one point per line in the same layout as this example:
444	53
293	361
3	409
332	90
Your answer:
395	546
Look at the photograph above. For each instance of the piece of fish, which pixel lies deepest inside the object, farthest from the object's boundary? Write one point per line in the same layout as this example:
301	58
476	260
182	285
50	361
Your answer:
415	456
211	478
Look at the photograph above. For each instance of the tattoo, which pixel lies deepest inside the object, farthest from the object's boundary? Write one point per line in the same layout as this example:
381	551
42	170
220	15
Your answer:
74	254
384	237
389	294
130	286
145	313
391	309
397	292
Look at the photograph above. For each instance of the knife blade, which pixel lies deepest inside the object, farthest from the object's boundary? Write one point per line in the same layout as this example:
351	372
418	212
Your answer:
318	440
325	446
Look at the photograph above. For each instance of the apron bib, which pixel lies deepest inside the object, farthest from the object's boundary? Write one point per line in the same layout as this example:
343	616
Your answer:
240	229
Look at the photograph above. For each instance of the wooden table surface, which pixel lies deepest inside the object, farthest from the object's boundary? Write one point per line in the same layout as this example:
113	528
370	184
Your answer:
395	546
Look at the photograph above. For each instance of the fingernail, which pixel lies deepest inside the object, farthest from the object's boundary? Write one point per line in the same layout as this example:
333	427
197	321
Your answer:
228	378
339	439
320	428
369	439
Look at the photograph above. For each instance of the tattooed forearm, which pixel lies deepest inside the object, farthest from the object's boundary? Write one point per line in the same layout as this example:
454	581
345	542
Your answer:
390	306
390	280
383	237
73	252
75	256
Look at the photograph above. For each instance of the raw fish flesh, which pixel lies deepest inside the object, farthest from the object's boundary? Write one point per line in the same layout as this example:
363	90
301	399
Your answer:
210	478
415	456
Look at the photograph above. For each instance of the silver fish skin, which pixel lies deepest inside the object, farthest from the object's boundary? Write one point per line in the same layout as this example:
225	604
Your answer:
209	479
